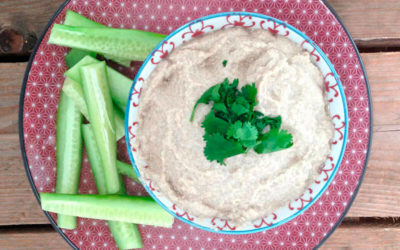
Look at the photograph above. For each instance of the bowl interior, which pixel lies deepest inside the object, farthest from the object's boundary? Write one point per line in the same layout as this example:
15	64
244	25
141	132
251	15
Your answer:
333	90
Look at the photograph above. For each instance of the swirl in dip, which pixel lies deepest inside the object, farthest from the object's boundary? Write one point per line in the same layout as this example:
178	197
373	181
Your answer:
250	186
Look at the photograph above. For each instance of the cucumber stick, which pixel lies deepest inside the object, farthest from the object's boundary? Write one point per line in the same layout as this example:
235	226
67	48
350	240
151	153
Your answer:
101	116
69	153
126	235
120	85
74	19
138	210
127	169
74	91
122	43
94	158
75	55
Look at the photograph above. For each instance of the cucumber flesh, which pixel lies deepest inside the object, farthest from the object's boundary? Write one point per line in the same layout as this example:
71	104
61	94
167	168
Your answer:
74	91
75	55
69	153
101	116
120	85
125	44
127	169
138	210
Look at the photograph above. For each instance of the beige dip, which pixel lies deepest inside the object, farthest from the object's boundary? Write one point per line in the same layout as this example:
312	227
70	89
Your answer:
250	186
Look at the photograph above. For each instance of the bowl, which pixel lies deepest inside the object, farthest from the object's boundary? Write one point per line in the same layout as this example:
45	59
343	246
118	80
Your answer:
333	89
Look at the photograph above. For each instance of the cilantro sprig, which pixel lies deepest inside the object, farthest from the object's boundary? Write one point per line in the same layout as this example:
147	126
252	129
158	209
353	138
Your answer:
233	127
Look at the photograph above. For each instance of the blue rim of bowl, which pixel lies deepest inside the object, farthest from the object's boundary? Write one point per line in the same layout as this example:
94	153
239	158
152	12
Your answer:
327	61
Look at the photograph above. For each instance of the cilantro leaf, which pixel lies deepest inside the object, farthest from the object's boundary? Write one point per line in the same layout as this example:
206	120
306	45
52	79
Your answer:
239	109
218	148
228	91
245	133
274	140
224	62
233	126
274	122
213	124
220	107
250	92
212	94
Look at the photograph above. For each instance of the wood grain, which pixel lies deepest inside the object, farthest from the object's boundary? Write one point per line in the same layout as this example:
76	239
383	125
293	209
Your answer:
11	77
379	194
18	204
36	238
370	236
372	23
22	22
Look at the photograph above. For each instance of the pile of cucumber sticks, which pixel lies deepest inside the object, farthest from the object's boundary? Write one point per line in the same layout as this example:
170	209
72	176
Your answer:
91	110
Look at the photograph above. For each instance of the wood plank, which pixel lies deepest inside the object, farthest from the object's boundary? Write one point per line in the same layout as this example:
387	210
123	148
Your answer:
22	22
32	238
370	236
383	72
18	204
379	194
371	22
367	237
11	76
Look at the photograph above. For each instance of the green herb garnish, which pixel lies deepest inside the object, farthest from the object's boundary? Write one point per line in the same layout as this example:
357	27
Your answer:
224	62
233	127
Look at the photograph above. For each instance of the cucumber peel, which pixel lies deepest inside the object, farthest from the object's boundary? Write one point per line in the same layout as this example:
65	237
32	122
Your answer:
93	153
132	44
75	19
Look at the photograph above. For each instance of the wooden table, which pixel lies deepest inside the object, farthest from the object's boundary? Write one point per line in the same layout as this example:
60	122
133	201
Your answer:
372	222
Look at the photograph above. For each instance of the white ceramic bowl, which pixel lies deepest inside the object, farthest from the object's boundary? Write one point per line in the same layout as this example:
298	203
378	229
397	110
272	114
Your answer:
334	91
